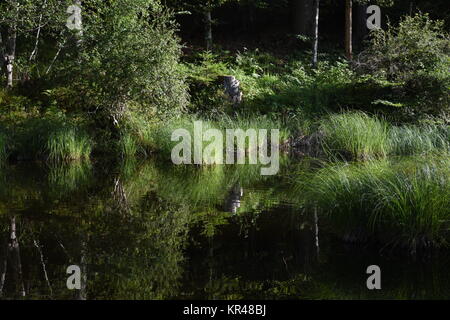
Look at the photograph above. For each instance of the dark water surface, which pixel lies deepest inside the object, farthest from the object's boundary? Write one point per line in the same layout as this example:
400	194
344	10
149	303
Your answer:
153	231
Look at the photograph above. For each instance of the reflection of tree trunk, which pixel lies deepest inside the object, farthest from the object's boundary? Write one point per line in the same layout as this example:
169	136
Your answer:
211	266
14	248
316	232
4	265
82	293
120	196
44	269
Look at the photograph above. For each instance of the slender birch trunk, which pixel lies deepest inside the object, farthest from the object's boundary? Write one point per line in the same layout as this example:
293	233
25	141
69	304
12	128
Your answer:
348	29
316	32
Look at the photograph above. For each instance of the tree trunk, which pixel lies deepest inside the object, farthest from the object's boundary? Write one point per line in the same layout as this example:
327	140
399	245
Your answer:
348	29
11	51
10	56
316	32
303	17
208	29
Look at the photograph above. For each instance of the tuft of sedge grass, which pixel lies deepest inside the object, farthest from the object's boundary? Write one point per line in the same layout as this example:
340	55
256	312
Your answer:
128	145
355	136
416	140
159	136
67	143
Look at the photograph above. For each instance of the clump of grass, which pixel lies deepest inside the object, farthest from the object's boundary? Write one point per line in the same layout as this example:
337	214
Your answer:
260	122
160	135
128	146
67	143
405	204
356	136
414	140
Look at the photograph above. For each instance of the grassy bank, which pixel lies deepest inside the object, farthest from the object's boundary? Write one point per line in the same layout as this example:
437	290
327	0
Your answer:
358	136
47	138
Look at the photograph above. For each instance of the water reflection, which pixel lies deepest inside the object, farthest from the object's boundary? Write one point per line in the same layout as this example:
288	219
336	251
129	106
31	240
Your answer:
154	231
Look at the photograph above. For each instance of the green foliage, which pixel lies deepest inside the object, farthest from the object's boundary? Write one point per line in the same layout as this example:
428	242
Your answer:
416	53
129	54
204	77
160	135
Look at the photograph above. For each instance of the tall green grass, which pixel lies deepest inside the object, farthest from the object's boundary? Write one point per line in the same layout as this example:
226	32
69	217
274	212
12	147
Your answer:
358	136
355	136
415	140
67	143
53	139
405	203
159	137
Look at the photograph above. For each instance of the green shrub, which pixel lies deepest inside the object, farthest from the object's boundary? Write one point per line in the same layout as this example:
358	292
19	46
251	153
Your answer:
416	54
130	54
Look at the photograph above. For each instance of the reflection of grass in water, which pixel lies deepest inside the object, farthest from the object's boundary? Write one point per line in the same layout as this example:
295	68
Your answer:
405	203
68	177
186	184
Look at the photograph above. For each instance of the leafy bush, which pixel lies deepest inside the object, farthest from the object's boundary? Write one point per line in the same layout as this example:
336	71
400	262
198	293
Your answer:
130	54
204	77
416	54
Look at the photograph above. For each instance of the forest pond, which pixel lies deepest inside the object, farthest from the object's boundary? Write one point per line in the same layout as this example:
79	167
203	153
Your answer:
150	230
